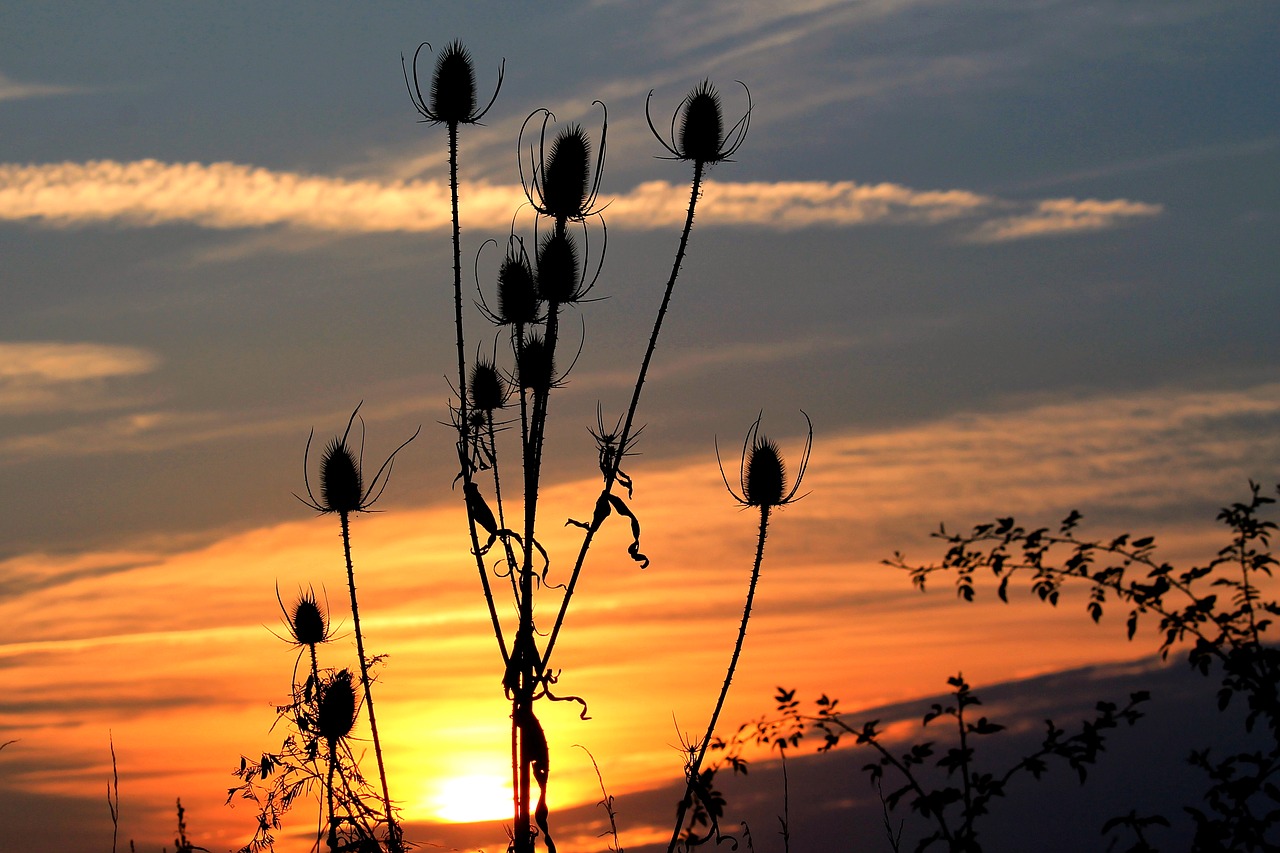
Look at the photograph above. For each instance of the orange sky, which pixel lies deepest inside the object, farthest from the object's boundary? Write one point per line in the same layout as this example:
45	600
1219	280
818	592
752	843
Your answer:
182	636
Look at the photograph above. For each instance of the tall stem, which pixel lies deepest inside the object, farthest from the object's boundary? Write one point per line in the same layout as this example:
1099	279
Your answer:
464	450
393	832
625	436
696	766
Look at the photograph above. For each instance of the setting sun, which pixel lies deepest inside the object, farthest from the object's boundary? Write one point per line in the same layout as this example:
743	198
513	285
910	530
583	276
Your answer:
471	798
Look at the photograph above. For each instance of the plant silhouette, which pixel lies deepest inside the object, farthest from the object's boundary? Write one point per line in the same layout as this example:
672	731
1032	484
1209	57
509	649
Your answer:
498	401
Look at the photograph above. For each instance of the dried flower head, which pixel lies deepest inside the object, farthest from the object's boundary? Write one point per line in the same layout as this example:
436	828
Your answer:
307	619
762	474
342	486
702	138
338	707
452	98
559	276
517	295
536	367
559	183
487	390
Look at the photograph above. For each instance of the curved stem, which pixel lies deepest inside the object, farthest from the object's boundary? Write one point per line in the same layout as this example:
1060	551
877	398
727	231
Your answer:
625	435
691	773
392	831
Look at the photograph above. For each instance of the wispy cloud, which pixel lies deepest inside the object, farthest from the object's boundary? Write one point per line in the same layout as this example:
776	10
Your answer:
12	90
52	375
150	193
1064	216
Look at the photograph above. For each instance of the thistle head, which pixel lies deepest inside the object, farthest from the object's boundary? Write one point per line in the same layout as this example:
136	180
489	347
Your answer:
762	473
560	183
308	621
487	389
336	716
453	85
342	483
536	365
559	276
341	480
517	295
452	97
702	138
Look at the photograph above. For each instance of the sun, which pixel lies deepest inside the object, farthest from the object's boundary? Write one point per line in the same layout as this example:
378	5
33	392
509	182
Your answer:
470	798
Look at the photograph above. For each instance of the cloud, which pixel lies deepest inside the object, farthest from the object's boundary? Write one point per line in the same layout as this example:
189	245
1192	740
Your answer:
51	375
1064	216
12	90
150	193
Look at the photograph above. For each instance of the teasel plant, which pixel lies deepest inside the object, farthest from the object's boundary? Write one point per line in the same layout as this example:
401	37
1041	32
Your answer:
542	278
763	485
344	492
307	762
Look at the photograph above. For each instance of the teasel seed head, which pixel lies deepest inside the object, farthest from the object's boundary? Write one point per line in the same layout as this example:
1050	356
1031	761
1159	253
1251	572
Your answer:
701	124
517	294
762	473
308	623
564	181
452	98
560	183
338	707
559	279
342	484
341	481
487	389
702	137
536	367
453	85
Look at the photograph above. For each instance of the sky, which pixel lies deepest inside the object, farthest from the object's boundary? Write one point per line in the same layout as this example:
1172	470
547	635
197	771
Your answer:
1009	257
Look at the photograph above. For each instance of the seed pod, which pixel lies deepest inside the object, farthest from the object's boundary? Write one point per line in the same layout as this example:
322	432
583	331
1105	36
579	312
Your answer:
341	483
337	712
565	174
558	281
537	365
453	85
765	480
701	125
308	623
517	296
487	389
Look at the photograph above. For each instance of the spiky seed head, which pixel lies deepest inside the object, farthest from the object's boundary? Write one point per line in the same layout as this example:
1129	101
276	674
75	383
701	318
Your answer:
764	482
337	712
341	483
517	296
558	269
308	623
566	174
537	365
453	85
487	389
702	125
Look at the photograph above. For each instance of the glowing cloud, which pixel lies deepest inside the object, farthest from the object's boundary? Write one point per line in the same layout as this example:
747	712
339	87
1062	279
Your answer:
1064	216
45	375
148	193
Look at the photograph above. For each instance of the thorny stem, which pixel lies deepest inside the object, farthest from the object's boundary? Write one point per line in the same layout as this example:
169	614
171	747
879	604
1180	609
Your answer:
464	455
333	826
612	476
393	832
691	773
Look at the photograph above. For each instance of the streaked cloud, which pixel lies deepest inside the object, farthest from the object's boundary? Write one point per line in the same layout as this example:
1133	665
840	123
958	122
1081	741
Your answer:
53	375
1064	216
12	90
150	193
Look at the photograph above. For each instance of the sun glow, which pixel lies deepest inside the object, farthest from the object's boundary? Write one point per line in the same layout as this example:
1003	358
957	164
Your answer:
471	798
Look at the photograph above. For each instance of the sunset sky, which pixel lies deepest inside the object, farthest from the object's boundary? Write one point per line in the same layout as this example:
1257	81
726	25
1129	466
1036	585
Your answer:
1009	257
